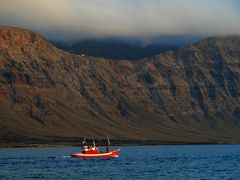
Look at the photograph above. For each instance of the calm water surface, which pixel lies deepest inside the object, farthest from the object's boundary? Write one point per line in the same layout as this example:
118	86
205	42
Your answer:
135	162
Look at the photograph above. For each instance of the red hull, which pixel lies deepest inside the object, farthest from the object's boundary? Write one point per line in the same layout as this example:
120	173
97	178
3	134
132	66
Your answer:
112	154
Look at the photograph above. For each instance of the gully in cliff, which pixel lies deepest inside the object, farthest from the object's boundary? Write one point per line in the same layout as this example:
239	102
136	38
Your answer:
94	152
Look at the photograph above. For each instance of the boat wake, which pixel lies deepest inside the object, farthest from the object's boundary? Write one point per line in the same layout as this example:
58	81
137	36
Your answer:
66	157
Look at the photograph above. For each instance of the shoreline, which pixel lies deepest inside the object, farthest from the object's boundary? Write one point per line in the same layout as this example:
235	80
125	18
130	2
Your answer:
114	143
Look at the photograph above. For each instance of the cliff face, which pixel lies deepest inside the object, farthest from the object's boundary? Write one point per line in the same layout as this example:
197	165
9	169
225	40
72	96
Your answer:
187	95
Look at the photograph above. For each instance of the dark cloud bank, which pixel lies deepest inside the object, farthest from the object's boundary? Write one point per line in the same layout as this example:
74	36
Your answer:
166	22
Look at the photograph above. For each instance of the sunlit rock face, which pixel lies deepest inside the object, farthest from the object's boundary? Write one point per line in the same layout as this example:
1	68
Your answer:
187	95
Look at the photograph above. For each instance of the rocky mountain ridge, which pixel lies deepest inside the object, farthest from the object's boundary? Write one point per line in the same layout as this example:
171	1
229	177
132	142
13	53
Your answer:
189	95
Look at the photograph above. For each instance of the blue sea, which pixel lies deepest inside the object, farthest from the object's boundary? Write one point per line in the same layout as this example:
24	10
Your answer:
135	162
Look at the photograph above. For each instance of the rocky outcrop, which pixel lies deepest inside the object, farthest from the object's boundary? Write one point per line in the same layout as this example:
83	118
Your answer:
187	95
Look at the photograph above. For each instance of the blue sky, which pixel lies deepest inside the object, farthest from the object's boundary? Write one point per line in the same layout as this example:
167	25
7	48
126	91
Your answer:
146	19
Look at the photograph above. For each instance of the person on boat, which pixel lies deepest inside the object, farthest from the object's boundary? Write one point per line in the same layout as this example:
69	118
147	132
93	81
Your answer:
108	148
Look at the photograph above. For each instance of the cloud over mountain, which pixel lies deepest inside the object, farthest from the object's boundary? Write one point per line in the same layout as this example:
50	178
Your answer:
66	19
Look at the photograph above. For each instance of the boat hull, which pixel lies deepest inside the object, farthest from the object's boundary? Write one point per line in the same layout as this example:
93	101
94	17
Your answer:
112	154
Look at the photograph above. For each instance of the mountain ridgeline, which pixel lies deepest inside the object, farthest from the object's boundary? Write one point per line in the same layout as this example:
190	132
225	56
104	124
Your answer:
114	49
187	95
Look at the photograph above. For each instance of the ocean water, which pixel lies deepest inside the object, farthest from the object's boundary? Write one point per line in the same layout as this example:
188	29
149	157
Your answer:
134	162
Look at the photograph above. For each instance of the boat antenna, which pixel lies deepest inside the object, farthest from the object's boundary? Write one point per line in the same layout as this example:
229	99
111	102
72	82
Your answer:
109	144
84	141
94	145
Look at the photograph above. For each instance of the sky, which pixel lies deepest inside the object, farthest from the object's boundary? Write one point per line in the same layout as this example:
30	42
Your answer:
143	19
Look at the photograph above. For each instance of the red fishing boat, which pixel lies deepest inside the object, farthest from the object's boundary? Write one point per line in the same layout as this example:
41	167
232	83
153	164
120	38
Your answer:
94	152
